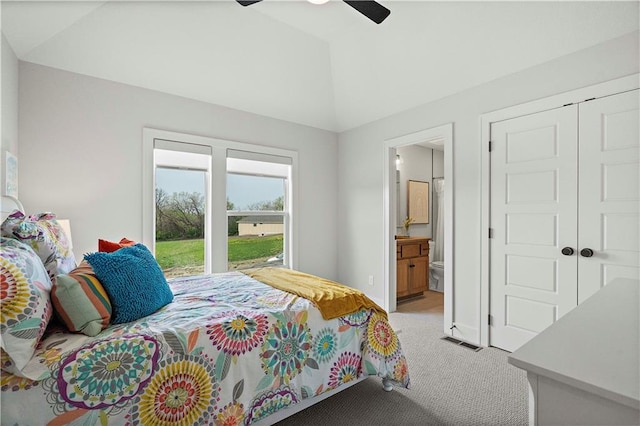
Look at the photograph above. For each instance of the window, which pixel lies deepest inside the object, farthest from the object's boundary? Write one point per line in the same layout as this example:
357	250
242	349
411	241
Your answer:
211	205
258	212
180	220
181	208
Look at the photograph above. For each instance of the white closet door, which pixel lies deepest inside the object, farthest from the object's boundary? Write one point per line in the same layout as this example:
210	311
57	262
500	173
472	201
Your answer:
609	191
533	216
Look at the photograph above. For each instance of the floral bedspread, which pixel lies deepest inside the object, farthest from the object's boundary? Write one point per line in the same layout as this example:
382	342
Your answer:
229	350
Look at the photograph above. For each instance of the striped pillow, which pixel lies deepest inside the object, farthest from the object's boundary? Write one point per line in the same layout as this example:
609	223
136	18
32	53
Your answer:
81	302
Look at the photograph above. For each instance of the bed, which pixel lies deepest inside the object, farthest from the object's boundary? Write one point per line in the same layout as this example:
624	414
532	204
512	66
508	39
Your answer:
229	348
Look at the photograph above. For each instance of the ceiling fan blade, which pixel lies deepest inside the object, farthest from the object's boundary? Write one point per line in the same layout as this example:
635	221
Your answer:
247	2
371	9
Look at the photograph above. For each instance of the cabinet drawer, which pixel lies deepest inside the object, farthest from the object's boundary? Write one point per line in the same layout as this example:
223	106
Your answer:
409	250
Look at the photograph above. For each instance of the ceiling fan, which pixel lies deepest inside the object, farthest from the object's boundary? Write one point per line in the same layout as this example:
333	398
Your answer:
371	9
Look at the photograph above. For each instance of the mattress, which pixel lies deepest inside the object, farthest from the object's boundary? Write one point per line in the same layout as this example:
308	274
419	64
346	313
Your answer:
228	350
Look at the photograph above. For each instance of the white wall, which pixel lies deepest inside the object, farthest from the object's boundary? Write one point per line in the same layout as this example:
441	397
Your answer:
438	164
416	165
360	196
81	153
9	102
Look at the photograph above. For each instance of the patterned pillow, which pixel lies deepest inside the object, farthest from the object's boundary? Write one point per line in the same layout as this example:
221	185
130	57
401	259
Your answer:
24	306
43	233
133	280
81	301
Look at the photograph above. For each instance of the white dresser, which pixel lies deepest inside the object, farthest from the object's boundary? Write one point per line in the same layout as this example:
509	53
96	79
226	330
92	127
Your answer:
584	369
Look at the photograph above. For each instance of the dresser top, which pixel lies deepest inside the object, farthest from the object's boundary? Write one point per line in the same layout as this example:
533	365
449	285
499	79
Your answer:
594	347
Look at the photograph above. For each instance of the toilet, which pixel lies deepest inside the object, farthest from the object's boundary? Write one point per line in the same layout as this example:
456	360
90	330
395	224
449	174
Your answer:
436	271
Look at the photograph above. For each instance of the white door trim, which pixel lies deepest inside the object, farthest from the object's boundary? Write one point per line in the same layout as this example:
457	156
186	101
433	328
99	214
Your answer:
608	88
441	133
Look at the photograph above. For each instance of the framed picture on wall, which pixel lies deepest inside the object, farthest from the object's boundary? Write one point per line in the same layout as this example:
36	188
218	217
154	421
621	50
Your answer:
418	201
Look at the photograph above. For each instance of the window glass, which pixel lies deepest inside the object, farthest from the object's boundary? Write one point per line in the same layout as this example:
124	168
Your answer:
180	221
249	193
257	216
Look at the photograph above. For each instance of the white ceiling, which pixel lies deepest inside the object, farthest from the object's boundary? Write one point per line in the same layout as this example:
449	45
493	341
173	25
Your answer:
324	66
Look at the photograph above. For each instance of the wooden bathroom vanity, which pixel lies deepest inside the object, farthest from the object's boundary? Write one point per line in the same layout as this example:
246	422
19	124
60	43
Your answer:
412	267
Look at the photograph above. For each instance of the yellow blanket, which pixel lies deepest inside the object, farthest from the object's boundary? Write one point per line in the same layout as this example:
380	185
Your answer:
332	299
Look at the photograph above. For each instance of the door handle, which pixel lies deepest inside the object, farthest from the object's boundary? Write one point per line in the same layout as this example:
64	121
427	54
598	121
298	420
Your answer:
586	252
567	251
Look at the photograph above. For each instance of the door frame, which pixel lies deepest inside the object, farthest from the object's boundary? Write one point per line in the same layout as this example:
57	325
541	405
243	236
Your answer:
612	87
443	133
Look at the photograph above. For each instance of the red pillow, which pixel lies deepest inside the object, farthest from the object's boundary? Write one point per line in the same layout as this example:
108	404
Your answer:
109	246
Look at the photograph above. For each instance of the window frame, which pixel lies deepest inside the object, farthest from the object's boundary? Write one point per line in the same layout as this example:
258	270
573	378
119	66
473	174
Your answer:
217	184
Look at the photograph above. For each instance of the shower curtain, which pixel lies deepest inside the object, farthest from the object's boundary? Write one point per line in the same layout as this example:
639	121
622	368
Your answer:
438	252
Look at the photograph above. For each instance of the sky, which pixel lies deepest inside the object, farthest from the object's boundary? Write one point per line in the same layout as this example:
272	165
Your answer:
242	190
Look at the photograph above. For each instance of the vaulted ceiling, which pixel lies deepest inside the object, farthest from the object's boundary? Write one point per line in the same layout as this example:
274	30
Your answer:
325	66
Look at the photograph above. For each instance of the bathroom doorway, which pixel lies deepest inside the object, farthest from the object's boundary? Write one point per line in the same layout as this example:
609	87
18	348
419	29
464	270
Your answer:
425	157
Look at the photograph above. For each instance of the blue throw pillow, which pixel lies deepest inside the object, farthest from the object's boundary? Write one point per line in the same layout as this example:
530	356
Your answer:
133	280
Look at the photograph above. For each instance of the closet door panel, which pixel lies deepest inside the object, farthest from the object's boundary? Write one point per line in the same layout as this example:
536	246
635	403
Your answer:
533	216
609	191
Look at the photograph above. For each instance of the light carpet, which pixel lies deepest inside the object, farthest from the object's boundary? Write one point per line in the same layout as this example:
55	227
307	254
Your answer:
450	385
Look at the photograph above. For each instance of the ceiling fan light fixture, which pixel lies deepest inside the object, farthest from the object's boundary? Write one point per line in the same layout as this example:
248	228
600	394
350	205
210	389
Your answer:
369	8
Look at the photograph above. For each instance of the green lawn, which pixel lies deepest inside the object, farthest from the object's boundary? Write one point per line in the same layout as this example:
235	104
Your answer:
171	254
